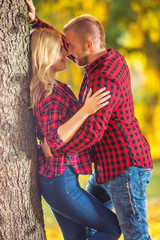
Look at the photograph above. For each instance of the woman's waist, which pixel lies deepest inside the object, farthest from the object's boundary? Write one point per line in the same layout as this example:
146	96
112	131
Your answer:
57	165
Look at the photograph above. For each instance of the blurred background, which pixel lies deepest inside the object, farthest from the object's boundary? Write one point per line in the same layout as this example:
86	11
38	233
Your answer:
133	28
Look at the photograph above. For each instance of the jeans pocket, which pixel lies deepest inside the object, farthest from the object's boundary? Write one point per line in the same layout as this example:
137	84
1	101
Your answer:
139	182
144	180
47	191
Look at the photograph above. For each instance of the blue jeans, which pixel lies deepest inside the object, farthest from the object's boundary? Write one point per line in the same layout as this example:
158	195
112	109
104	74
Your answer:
74	208
128	195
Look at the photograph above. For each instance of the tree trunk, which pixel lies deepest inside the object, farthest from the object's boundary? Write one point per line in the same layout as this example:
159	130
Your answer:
21	216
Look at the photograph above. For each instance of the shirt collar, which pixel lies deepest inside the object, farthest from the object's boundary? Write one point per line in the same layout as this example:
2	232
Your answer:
93	65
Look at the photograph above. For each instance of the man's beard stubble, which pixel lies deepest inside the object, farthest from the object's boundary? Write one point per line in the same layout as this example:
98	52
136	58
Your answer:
83	61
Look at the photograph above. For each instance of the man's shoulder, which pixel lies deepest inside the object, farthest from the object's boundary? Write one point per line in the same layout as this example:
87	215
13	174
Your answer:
113	55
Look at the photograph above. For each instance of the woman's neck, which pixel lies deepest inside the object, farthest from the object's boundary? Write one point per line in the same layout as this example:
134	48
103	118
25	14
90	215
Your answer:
52	74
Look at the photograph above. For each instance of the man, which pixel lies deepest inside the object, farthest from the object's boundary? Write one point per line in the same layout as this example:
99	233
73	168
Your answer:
119	150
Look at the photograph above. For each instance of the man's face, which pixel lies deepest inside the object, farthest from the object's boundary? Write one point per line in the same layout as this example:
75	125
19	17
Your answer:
77	48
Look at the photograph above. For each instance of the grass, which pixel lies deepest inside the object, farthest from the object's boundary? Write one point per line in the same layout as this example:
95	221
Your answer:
53	231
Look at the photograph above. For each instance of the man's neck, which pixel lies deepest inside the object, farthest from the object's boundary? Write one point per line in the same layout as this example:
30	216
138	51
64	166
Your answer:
96	55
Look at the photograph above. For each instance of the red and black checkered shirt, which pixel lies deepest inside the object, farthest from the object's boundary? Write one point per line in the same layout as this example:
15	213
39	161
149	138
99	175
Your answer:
51	112
113	133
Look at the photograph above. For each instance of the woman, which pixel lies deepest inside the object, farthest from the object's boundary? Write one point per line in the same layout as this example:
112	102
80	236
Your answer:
58	116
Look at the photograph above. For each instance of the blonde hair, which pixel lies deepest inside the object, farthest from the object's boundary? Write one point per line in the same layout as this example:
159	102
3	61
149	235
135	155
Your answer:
45	48
87	26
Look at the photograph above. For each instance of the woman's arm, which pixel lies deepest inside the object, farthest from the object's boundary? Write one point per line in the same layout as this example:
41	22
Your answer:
32	11
92	104
37	23
67	130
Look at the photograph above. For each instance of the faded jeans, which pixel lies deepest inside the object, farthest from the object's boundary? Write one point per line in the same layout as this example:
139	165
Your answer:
128	195
74	208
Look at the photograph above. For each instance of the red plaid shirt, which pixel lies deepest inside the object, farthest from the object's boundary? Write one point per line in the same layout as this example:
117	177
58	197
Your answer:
51	112
113	133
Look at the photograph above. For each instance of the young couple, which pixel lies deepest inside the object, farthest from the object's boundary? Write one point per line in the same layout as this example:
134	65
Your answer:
89	130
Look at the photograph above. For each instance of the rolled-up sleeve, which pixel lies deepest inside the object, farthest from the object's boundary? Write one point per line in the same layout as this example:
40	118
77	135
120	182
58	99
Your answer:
41	24
52	115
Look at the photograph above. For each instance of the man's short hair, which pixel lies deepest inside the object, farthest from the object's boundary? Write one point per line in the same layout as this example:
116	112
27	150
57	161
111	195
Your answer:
88	28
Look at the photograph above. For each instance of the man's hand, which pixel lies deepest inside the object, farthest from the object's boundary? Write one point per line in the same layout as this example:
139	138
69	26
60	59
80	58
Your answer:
46	149
32	11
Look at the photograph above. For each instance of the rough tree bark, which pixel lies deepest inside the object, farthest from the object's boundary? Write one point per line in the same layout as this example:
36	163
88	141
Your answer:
21	215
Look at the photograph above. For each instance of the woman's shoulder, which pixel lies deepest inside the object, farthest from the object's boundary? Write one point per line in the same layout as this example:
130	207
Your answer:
62	86
61	96
58	97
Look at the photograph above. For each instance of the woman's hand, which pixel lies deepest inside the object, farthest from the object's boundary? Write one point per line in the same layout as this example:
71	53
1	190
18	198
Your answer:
46	149
96	101
32	11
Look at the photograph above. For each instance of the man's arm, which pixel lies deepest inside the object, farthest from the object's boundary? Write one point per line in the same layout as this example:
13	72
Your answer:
94	127
52	112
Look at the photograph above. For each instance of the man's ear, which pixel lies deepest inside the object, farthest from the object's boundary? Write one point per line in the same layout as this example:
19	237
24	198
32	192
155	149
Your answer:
89	45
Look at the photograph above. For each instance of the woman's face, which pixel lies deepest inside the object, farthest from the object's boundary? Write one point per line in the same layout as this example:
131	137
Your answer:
60	63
